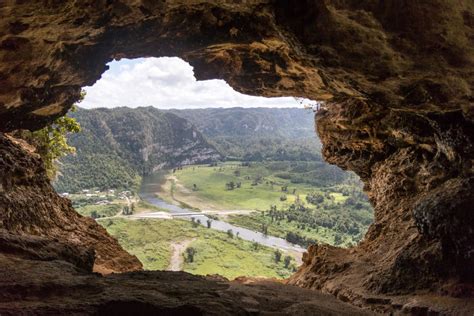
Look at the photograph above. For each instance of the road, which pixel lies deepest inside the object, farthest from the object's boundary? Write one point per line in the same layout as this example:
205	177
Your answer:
166	215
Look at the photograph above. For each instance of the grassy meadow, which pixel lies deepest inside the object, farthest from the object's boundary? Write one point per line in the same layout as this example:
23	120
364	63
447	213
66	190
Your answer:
100	210
216	252
204	186
338	215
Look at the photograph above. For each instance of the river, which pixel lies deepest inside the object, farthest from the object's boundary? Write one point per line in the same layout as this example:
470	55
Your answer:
151	186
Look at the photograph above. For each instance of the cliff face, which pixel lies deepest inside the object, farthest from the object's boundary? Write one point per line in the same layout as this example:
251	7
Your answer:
422	191
397	78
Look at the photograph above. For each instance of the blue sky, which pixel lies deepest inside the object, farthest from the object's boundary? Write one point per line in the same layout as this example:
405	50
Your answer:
167	82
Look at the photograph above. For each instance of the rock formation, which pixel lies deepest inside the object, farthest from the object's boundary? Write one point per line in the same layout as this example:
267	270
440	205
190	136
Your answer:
396	77
30	206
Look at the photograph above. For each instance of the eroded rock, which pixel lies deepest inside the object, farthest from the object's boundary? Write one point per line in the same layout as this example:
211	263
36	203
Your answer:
30	207
397	77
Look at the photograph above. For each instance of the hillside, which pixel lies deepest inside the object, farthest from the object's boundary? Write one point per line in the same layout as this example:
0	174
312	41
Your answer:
290	123
258	133
117	145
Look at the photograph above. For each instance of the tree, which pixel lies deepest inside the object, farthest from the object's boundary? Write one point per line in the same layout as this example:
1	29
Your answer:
287	261
265	229
190	253
51	141
337	239
126	210
277	255
230	233
255	245
94	214
230	185
315	198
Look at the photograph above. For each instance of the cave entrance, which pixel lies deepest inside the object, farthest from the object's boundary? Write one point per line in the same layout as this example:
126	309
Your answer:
192	175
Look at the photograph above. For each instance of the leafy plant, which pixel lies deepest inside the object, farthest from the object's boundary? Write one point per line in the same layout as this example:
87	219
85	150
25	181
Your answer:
51	141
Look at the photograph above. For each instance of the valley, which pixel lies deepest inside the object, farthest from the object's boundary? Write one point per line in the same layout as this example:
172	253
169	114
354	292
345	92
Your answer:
254	192
298	211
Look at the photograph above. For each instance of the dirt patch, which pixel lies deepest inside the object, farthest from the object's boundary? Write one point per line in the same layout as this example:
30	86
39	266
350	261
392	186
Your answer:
178	249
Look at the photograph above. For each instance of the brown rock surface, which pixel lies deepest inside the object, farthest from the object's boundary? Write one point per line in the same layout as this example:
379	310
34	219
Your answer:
397	77
30	206
56	287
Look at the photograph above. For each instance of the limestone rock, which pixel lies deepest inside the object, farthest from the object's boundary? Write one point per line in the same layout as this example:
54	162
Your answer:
397	78
30	206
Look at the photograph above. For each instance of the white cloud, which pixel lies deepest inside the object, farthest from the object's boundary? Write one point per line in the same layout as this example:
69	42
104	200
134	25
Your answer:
167	82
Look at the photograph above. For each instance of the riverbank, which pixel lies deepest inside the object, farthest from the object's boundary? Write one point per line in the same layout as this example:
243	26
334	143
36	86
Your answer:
151	188
288	203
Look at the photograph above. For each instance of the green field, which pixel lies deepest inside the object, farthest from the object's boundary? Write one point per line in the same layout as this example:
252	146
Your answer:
260	186
280	229
216	253
338	214
100	210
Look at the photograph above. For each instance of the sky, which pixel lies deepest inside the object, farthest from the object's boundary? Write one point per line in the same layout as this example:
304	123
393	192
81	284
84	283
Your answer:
167	82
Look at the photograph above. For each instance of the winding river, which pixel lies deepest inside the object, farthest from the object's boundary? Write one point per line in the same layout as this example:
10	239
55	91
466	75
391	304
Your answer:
150	187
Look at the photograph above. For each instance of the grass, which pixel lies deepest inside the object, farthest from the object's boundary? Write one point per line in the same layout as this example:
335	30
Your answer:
216	253
233	257
211	190
143	206
148	239
261	187
101	210
322	235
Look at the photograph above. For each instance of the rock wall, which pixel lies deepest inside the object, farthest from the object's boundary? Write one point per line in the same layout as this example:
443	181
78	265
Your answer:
30	207
396	76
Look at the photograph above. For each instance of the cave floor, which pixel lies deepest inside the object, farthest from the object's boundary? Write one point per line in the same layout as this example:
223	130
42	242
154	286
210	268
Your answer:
54	286
57	287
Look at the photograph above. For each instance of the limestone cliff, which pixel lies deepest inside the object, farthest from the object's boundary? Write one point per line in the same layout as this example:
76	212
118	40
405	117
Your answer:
397	78
30	206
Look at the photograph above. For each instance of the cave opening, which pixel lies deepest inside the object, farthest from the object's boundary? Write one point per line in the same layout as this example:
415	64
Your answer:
398	80
158	146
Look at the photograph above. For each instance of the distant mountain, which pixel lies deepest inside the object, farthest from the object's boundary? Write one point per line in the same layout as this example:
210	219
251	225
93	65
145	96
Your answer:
258	133
290	123
117	145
